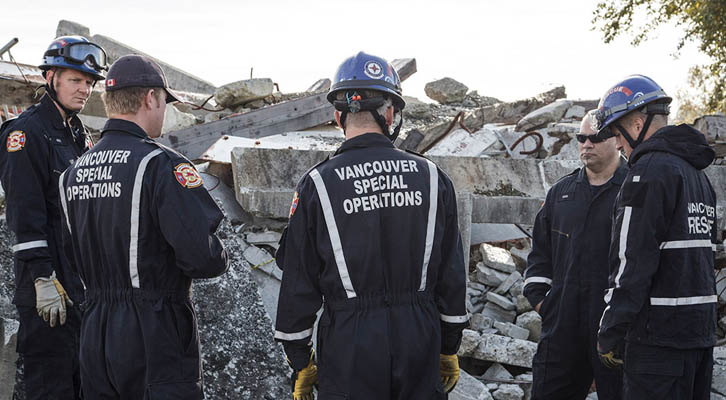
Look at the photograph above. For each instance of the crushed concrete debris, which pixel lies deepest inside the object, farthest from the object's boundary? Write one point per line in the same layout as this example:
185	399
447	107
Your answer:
540	117
446	91
244	91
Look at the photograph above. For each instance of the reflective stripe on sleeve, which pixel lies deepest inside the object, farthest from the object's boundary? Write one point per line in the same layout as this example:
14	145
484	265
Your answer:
64	202
538	279
624	240
686	244
294	336
135	207
454	319
30	245
682	301
431	223
333	233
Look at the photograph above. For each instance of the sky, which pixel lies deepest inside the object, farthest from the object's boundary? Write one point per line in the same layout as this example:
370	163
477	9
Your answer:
505	49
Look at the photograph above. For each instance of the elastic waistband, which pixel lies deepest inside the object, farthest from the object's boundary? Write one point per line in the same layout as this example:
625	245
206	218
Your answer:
110	295
383	300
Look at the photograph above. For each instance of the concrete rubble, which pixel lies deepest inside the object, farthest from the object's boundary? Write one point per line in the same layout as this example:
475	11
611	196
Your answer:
252	143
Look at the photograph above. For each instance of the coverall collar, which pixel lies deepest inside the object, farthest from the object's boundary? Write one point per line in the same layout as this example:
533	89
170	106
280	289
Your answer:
125	126
48	108
365	140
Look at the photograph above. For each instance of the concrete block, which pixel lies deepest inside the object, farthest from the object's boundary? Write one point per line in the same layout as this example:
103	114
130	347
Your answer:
540	117
242	92
719	355
446	91
481	233
508	392
464	208
517	288
532	322
270	238
497	372
501	301
477	286
513	278
321	85
575	111
469	388
497	258
505	350
480	322
464	144
70	28
469	342
523	305
175	120
497	313
526	387
713	126
718	382
488	276
511	330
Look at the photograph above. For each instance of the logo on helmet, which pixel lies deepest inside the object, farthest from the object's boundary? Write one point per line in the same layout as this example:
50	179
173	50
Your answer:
373	70
619	89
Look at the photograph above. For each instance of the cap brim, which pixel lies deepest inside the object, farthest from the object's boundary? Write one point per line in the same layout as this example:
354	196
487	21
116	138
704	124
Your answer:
172	96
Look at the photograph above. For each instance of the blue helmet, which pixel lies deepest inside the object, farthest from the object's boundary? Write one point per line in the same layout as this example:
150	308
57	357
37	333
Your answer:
635	92
364	72
367	72
76	52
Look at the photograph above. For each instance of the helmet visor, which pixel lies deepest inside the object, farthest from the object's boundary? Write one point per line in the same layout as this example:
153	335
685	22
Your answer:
81	52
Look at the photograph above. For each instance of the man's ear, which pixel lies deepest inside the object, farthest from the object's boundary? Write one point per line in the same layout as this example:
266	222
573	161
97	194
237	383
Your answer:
337	119
150	99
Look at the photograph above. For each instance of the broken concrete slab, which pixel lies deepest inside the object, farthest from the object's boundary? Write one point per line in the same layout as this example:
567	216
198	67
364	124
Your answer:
497	372
481	233
497	258
270	238
469	342
488	276
523	305
242	92
462	143
497	313
576	111
718	382
504	350
508	392
542	116
501	301
446	90
508	283
511	330
469	388
405	67
416	109
531	321
8	356
479	322
175	120
289	116
713	126
464	206
321	85
177	78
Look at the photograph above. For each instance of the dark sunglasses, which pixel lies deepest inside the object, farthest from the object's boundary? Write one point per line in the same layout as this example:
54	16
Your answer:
599	137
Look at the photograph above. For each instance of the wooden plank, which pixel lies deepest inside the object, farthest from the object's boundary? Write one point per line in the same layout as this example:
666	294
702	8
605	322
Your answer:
405	67
289	116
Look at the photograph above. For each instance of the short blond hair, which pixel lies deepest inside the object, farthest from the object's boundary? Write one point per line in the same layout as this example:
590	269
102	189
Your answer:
127	100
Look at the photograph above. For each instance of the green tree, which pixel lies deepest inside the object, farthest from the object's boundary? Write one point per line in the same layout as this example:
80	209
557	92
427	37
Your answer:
703	22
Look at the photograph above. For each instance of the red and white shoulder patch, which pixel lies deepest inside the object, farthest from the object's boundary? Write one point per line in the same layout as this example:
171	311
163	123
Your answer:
187	176
293	206
16	141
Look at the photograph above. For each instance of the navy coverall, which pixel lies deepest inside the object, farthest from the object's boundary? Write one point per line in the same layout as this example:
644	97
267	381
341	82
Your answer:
36	148
373	238
140	226
661	305
568	269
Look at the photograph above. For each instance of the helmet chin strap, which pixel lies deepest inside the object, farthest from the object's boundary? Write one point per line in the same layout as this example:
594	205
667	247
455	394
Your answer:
50	89
634	143
381	121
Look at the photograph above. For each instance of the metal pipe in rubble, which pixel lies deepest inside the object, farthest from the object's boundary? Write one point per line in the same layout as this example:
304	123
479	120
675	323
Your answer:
7	47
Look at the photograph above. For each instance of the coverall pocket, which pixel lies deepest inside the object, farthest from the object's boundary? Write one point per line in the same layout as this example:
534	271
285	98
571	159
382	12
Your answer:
185	325
651	372
189	390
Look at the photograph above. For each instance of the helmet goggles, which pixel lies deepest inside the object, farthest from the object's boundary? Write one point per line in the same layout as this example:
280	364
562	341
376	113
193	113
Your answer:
80	53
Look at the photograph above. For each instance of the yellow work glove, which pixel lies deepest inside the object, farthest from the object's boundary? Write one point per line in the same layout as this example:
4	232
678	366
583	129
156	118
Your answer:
51	300
449	369
303	380
611	359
